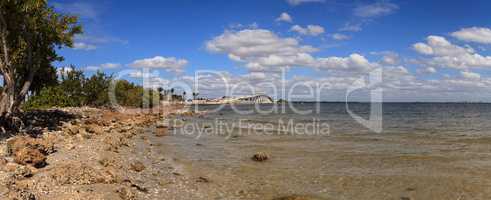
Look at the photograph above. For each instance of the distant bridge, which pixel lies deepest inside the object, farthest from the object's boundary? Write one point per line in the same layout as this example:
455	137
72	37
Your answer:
252	99
255	99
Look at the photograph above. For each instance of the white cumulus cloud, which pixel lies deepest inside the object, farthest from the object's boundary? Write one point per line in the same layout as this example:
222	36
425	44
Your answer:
470	75
298	2
313	30
168	63
375	9
351	27
102	66
427	70
261	50
284	17
474	34
339	36
353	63
445	54
110	65
84	46
92	68
423	48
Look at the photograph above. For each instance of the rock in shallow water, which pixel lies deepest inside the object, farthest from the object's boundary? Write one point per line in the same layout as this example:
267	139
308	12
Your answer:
260	157
137	166
126	193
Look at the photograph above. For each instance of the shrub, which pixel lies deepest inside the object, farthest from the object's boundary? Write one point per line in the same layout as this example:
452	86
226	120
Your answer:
54	96
73	89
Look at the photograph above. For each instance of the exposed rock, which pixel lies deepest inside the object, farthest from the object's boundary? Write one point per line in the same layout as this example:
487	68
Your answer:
70	145
203	180
30	156
83	134
81	174
94	129
260	157
94	121
76	121
48	141
109	162
10	167
22	172
114	142
4	151
137	166
3	161
136	186
21	195
17	143
71	129
126	194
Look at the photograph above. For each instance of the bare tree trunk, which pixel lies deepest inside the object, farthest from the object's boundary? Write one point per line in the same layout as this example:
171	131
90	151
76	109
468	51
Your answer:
6	105
8	96
8	120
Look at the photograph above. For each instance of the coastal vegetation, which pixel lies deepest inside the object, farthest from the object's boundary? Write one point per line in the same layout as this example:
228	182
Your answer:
73	89
30	33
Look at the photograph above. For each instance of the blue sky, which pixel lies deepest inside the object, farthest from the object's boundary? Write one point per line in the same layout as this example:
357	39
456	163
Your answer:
428	50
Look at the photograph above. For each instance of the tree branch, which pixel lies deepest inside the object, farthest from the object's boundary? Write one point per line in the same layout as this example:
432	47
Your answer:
27	84
3	38
32	70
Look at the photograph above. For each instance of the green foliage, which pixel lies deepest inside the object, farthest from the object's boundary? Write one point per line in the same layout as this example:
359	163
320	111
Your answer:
30	33
44	77
72	82
96	89
74	89
54	96
151	98
128	94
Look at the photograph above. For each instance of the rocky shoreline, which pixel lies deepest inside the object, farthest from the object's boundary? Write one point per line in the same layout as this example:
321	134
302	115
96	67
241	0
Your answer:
83	153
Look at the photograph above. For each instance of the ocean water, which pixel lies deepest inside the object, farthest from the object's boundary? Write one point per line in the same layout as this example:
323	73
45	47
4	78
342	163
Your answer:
421	118
337	163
